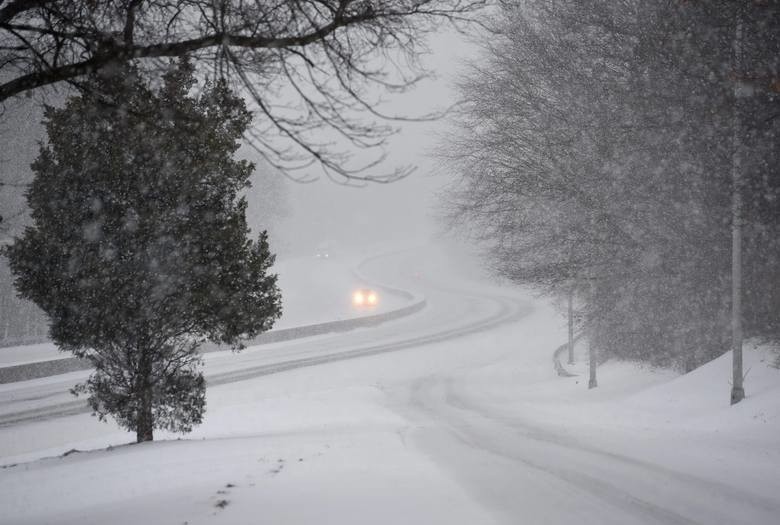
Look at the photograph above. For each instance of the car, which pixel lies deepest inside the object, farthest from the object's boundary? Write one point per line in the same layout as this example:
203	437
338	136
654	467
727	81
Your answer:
323	250
365	298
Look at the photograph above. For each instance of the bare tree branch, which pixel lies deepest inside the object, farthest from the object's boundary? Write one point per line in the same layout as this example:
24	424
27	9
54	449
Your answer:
308	66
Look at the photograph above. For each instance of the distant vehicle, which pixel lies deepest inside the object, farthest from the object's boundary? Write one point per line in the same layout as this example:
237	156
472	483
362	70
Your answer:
323	251
365	298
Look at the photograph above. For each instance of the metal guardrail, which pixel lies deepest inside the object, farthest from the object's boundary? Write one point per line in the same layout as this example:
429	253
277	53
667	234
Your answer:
23	341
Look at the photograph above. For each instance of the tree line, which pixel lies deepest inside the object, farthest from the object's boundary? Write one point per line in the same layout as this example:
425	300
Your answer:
612	148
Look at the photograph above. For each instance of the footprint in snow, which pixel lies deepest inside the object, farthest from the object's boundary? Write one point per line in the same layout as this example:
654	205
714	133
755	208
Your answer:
278	468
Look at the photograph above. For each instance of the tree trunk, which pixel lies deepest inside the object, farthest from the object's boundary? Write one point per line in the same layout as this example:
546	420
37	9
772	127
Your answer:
592	382
6	312
737	389
591	331
145	425
144	428
27	313
571	327
689	353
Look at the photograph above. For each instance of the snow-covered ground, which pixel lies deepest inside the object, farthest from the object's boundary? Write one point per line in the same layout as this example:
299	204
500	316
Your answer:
465	422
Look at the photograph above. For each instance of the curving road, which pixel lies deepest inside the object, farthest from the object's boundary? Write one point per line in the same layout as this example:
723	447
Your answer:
448	313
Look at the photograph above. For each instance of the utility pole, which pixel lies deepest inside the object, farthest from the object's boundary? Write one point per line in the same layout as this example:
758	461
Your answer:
737	389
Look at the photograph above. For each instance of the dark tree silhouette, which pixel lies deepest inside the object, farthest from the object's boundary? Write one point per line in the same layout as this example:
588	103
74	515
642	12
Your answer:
139	247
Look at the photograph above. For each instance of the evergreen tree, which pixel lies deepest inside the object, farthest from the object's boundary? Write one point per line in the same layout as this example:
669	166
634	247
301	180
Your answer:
139	249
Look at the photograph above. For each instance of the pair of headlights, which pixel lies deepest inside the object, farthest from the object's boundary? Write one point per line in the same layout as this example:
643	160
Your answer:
365	298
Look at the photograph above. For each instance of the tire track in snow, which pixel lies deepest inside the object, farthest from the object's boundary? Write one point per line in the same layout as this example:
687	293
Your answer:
623	483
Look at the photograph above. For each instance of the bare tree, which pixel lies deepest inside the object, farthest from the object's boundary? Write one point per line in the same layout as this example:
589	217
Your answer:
598	145
307	65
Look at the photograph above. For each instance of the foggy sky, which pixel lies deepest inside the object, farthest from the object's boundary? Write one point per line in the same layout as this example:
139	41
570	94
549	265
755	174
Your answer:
325	212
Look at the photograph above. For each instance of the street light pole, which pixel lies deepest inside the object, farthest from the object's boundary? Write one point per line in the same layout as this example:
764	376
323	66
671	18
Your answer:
737	388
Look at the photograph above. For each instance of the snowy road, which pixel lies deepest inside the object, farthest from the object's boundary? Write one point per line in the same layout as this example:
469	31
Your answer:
518	469
451	416
450	313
